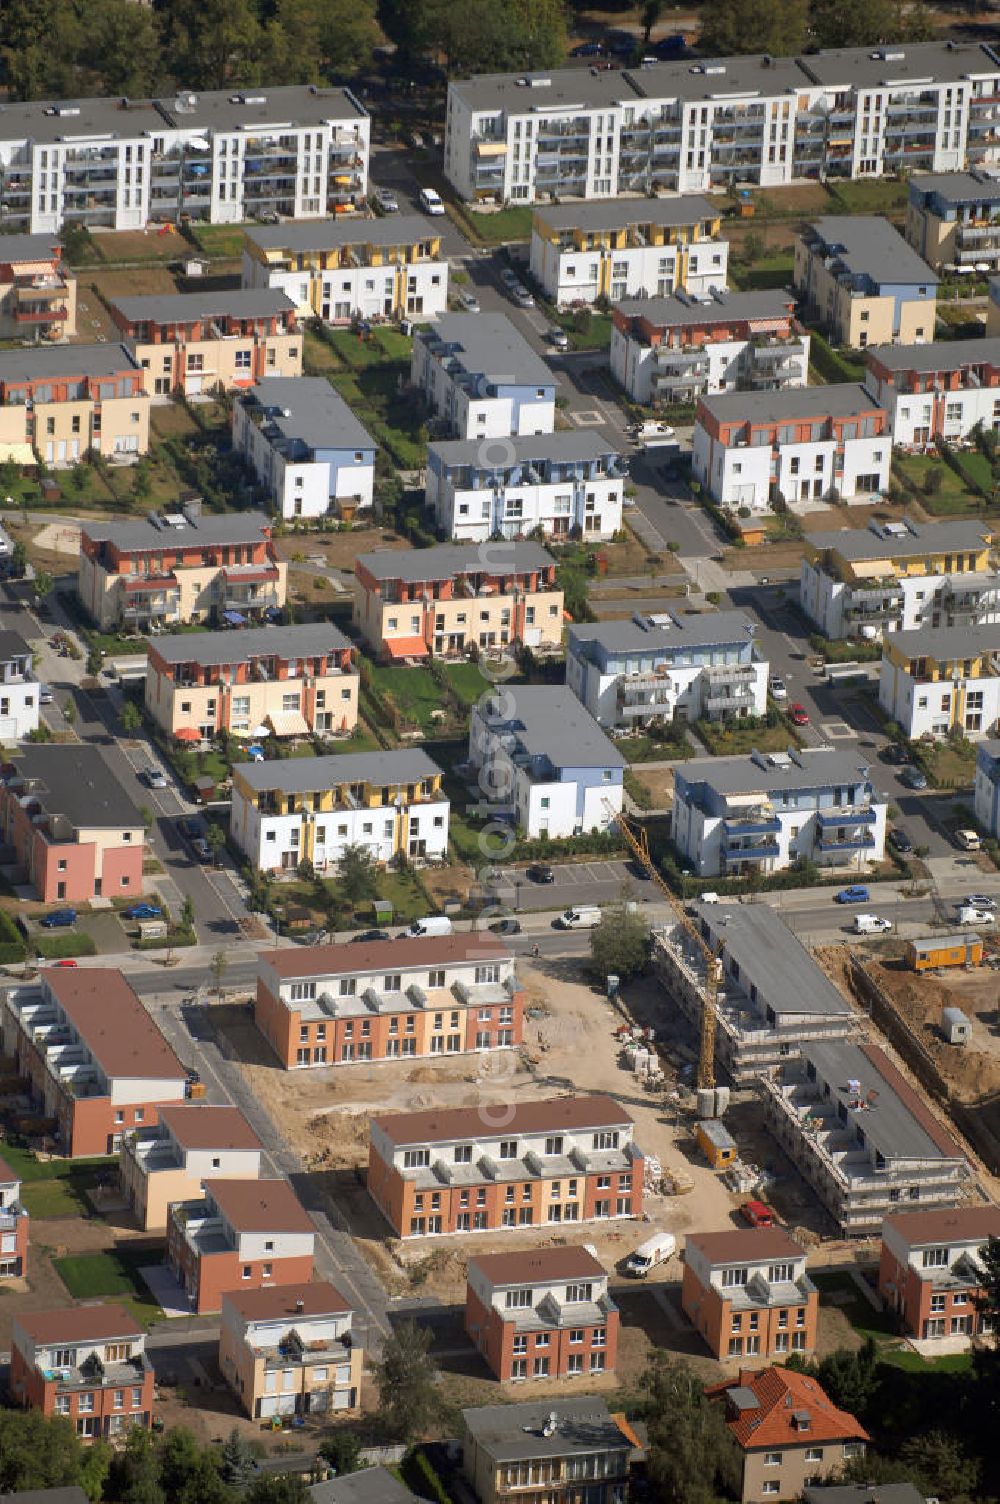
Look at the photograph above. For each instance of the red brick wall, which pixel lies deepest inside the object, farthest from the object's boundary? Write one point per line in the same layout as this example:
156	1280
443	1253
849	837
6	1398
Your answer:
219	1272
33	1392
494	1337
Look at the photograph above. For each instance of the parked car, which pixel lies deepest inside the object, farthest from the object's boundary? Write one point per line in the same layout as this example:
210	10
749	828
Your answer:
44	695
468	300
505	927
757	1213
201	849
430	201
368	936
798	715
153	778
969	915
894	753
522	297
540	872
871	924
650	1254
59	919
189	828
558	338
66	961
587	49
509	277
912	778
777	688
386	201
900	841
142	911
856	893
968	840
978	901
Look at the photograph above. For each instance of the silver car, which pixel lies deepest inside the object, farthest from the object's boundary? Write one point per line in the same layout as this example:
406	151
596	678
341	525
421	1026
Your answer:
468	300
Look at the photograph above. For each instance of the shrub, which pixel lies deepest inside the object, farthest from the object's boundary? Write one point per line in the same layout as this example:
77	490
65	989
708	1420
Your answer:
60	947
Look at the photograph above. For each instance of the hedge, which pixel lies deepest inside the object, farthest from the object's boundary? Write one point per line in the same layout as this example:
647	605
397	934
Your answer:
830	364
12	946
59	947
167	942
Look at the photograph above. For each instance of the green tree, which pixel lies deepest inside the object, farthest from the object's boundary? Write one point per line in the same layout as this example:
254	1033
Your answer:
217	968
216	838
135	1471
331	37
178	1454
942	1463
287	1489
211	44
237	1462
342	1450
122	46
130	718
95	1469
691	1457
33	66
42	583
777	27
95	659
405	1375
863	23
187	913
849	1377
69	712
357	875
619	945
36	1452
18	560
650	13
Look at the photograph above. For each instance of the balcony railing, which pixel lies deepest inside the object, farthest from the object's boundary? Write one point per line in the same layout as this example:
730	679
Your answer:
753	851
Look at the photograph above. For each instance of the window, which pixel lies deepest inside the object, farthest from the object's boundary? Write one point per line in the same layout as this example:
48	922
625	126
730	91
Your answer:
780	1274
814	1454
517	1299
771	1486
463	1154
733	1277
415	1159
606	1140
579	1294
935	1258
772	1459
508	1148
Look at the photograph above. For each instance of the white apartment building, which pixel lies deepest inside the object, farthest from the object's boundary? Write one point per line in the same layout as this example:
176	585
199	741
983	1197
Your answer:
19	689
631	673
678	348
811	443
631	248
987	787
569	484
762	813
298	151
306	447
546	766
898	576
482	379
935	681
937	391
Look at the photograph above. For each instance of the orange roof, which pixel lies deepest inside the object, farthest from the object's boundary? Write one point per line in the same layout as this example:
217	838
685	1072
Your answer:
406	647
782	1395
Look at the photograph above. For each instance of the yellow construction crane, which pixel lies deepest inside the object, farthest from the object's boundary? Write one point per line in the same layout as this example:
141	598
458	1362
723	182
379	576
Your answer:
638	843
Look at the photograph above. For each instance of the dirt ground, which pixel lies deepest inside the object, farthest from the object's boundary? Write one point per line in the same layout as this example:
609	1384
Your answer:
658	781
765	556
339	550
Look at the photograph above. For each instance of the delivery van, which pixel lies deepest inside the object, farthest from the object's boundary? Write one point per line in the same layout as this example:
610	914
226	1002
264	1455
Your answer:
656	1250
586	916
434	924
871	924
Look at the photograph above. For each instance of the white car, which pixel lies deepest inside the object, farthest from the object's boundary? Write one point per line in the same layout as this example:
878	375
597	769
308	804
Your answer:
153	778
386	200
522	297
468	300
976	916
777	688
559	338
430	201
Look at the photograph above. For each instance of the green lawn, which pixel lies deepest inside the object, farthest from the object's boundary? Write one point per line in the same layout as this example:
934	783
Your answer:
978	467
951	499
878	1325
467	682
415	693
500	226
768	271
948	764
642	748
112	1275
735	738
368	374
595	333
219	241
875	196
56	1187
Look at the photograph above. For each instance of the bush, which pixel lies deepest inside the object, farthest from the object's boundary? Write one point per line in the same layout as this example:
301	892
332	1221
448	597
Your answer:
178	939
12	946
61	947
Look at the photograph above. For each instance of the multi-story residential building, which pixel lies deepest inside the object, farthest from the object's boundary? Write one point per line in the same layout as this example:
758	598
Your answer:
19	688
170	1160
13	1226
90	1055
37	291
765	811
298	151
482	379
241	1235
568	484
542	1314
546	764
57	402
931	1270
987	788
770	997
633	673
562	1451
307	449
194	342
857	275
313	808
748	1294
937	391
838	1493
389	1000
340	270
531	1164
442	601
934	679
88	1363
289	1350
953	219
176	567
274	681
861	1136
675	349
752	447
897	576
75	833
789	1432
632	248
993	309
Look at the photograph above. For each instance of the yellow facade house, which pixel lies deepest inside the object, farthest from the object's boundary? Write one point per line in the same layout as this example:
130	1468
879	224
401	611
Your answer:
59	401
197	342
37	291
171	1160
858	276
932	682
289	1350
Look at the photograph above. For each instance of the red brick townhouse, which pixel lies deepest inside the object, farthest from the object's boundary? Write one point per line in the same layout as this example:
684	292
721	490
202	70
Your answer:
930	1270
388	1000
92	1058
748	1294
70	825
13	1226
533	1164
244	1235
541	1314
88	1363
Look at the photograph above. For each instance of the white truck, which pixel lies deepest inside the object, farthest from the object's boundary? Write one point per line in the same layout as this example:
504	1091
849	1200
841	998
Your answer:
871	924
586	916
434	924
656	1250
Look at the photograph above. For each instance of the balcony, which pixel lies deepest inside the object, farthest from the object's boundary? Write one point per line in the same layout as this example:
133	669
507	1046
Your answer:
753	824
750	851
873	605
862	840
203	1232
40	313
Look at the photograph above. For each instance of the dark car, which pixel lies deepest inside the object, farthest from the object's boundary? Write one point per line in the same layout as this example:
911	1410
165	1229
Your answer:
540	872
59	919
189	828
895	753
912	778
587	49
201	850
505	927
142	911
900	841
367	935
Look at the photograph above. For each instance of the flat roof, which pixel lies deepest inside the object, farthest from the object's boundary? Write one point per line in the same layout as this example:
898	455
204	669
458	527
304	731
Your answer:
549	721
315	1298
910	62
302	775
332	234
950	355
957	187
12	645
309	640
71	1494
799	768
948	642
198	1125
78	783
925	944
749	1243
372	1485
574	446
773	959
620	213
844	400
251	108
28	248
78	1324
72	120
298	961
260	1206
521	93
867	245
863	1493
538	1266
443	1124
488	344
755	74
449	560
914	539
139	534
898	1122
113	1024
509	1432
308	410
704	629
185	307
722	307
53	362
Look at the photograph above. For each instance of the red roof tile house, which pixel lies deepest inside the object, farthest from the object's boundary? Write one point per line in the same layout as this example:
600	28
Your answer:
930	1270
92	1058
13	1226
748	1294
790	1433
543	1313
477	1169
88	1363
244	1235
171	1160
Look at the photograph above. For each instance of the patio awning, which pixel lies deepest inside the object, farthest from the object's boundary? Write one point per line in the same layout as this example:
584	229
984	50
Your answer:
288	723
187	734
406	647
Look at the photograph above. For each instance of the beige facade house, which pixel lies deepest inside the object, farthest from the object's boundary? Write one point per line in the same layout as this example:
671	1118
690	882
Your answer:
37	292
196	342
953	220
171	1160
858	276
289	1350
59	401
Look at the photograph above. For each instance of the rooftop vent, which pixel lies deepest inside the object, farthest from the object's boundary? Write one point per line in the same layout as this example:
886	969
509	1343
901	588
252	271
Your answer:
887	55
714	68
63	109
248	99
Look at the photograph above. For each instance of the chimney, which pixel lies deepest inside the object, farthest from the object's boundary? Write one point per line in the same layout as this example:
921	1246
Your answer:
300	1306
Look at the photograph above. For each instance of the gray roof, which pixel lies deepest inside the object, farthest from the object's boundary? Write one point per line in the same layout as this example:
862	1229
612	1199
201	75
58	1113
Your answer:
77	783
919	538
890	1125
303	775
768	303
618	213
867	245
451	559
372	1485
946	643
184	307
956	187
71	1494
294	104
306	641
549	721
53	362
330	234
863	1493
755	74
27	247
136	534
307	410
773	958
488	344
511	1432
910	63
843	401
560	89
701	630
925	943
38	120
807	768
492	454
12	645
950	355
988	749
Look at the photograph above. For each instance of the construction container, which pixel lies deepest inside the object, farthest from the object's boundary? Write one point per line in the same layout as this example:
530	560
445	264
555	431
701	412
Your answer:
716	1143
933	951
955	1026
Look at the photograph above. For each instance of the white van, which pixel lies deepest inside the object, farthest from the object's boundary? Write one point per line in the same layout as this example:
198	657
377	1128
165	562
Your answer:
967	840
870	924
656	1250
969	915
430	201
586	916
434	924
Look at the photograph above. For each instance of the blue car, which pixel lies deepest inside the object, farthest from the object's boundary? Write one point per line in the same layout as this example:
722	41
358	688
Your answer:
59	919
142	911
855	894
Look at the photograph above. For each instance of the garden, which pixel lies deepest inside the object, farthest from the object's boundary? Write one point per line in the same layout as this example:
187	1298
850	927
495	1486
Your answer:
370	371
114	1275
57	1187
729	738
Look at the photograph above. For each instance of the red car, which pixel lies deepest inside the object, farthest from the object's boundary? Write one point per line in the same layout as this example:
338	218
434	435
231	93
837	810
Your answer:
798	714
64	963
757	1213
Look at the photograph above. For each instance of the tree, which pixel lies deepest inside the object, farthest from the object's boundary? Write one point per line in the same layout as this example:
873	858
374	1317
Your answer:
130	718
69	712
216	838
34	67
122	45
217	967
18	560
777	27
187	913
286	1489
42	583
178	1455
37	1453
650	13
95	658
342	1450
135	1473
213	43
942	1463
335	37
691	1457
237	1462
864	23
356	874
406	1375
849	1377
619	945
